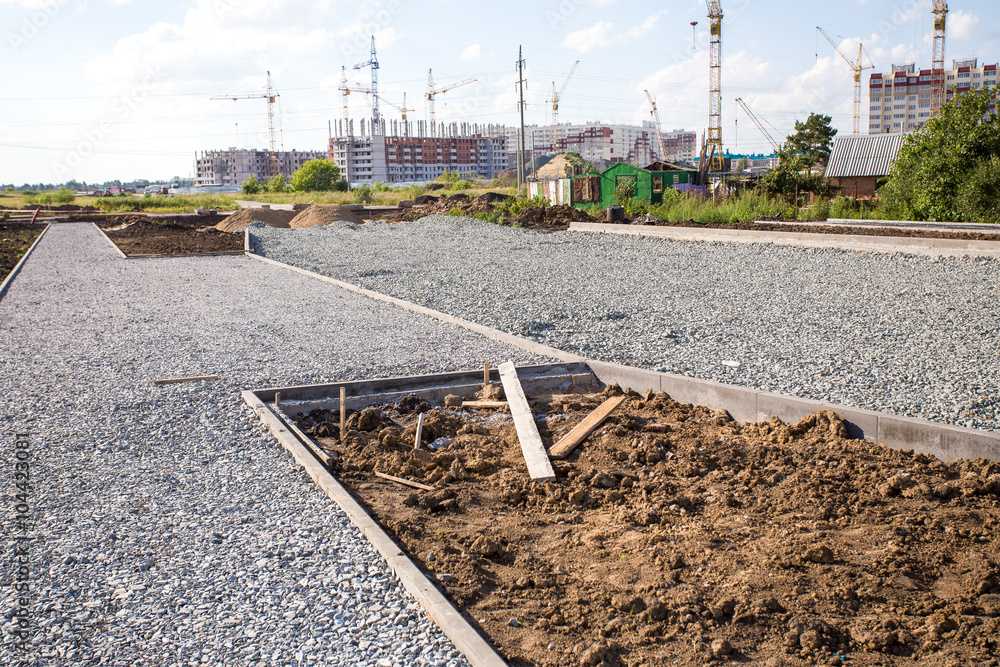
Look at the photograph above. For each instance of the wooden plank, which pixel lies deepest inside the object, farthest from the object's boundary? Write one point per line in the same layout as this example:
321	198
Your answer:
420	431
496	405
405	482
539	465
317	451
196	378
569	442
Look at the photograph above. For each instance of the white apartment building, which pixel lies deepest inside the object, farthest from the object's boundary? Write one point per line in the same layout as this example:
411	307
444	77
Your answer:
901	101
230	168
635	144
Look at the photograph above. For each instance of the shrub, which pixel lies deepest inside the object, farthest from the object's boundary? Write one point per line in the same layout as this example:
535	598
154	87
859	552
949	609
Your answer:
251	186
364	194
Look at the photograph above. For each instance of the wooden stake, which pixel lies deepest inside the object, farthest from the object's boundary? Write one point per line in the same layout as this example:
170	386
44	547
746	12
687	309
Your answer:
343	413
487	405
486	374
196	378
277	398
568	443
420	431
405	482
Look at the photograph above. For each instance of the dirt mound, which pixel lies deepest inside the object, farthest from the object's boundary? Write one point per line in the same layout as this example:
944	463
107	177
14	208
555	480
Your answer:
552	216
675	535
247	216
460	198
425	199
138	234
323	214
492	197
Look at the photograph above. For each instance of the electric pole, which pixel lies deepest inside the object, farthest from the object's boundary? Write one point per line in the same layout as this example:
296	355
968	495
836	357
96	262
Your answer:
521	175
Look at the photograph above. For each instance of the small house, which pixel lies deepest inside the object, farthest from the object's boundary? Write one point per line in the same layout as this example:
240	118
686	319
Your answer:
858	162
598	190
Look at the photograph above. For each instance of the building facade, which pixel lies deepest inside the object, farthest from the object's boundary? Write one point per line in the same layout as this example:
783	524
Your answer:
901	101
635	144
230	168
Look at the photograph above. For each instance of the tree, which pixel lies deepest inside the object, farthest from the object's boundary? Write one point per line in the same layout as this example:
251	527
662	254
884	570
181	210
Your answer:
316	176
948	169
251	186
812	141
741	165
277	183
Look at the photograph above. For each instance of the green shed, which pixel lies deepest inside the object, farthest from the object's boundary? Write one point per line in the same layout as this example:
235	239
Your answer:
598	191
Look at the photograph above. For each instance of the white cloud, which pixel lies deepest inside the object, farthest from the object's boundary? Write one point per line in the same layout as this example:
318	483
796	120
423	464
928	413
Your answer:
471	53
962	25
601	35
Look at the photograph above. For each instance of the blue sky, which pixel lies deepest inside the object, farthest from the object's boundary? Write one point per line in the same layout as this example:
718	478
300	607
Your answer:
104	89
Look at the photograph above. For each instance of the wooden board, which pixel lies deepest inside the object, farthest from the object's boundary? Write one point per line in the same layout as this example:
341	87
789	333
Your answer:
535	456
404	482
568	443
196	378
496	405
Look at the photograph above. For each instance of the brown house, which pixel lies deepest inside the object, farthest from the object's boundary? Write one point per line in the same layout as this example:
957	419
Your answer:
858	162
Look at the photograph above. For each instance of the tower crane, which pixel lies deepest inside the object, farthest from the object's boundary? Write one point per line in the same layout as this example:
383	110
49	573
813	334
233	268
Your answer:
715	84
433	92
760	126
938	89
659	130
271	95
373	63
402	109
556	96
857	68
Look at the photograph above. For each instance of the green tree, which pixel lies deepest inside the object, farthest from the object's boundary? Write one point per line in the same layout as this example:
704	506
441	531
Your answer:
948	169
316	176
812	141
277	183
251	186
741	165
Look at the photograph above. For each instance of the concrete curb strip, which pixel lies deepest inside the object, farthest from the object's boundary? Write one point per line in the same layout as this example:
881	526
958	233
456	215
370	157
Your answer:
110	242
478	652
9	280
888	244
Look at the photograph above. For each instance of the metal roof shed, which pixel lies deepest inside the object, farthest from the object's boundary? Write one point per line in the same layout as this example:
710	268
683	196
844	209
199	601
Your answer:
858	162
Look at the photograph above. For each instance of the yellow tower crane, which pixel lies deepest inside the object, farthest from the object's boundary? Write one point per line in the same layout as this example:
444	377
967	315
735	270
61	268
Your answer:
715	85
857	68
556	96
939	92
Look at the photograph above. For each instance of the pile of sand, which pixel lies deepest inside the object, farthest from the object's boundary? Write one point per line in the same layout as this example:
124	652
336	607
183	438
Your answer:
244	218
323	214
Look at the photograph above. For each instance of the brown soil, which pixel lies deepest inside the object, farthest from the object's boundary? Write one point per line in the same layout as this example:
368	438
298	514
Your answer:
323	214
990	233
248	216
169	235
552	217
677	536
15	239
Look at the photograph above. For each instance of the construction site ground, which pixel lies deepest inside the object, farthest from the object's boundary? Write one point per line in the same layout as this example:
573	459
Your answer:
675	536
15	239
989	232
138	235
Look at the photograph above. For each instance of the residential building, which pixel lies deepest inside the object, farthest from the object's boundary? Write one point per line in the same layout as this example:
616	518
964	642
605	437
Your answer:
230	168
635	144
901	101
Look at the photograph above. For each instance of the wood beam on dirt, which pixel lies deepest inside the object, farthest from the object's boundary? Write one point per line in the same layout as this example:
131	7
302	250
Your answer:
420	431
539	465
485	405
486	374
343	414
404	482
569	442
195	378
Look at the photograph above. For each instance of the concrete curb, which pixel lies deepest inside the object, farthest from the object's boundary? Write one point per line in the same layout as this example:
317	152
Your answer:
110	242
478	652
8	281
492	334
886	244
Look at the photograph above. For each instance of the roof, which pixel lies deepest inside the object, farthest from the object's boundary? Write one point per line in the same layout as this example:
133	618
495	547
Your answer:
864	155
664	166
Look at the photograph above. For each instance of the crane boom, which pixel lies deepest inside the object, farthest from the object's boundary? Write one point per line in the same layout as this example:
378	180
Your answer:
939	91
715	85
271	95
659	130
857	68
760	126
556	96
433	92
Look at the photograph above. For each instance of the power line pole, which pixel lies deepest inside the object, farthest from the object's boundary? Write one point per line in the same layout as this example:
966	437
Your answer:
521	176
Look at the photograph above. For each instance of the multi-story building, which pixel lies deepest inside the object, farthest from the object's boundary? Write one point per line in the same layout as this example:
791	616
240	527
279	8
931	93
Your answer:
635	144
230	168
471	150
901	102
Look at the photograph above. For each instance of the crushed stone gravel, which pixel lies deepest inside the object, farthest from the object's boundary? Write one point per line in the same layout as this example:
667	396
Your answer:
170	528
914	336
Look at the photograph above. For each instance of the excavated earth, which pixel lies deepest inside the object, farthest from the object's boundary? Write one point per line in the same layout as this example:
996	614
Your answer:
675	536
138	235
15	239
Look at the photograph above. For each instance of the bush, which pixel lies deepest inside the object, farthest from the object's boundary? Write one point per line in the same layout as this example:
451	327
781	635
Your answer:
316	176
277	183
364	195
625	191
463	185
252	186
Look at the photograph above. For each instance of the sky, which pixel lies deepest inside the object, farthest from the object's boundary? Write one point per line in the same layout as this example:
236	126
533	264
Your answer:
95	90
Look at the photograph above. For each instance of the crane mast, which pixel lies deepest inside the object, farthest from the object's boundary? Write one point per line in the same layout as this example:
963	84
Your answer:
556	96
939	92
271	95
857	68
659	130
715	84
373	63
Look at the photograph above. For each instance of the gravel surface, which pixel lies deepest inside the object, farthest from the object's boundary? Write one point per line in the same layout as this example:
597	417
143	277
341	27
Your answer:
171	528
898	333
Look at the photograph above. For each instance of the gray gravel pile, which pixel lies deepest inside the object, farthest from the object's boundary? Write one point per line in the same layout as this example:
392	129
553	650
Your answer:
171	528
909	335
